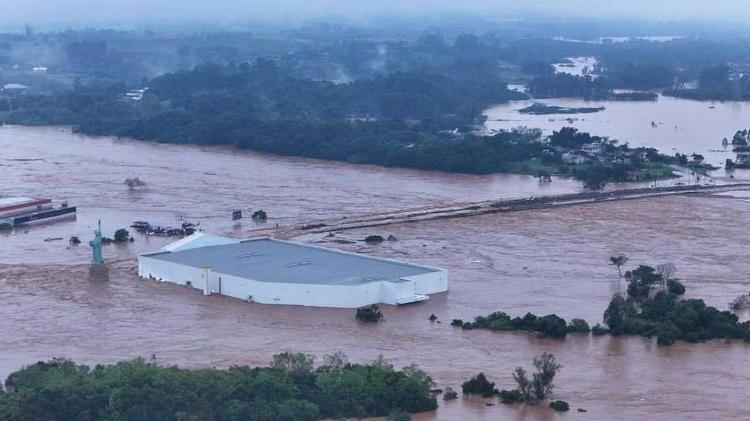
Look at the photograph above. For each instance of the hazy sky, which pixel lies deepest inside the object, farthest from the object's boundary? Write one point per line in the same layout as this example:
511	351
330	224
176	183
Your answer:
61	13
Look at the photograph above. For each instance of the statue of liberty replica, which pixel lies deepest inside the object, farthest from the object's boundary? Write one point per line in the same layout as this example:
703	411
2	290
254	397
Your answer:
98	271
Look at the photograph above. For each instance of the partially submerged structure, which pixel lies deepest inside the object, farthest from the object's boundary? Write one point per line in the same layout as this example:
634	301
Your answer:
273	271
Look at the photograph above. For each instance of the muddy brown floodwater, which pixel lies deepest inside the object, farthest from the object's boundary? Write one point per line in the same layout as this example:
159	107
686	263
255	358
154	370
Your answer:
541	261
207	184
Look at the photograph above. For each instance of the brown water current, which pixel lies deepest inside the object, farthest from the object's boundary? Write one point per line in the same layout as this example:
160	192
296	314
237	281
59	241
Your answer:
207	184
545	261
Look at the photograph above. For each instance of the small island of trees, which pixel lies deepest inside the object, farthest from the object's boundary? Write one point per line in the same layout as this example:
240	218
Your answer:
291	388
653	306
531	390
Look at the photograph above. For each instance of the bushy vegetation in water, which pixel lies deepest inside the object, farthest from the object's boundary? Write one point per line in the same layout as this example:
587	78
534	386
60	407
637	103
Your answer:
374	239
479	385
259	215
648	310
290	389
653	306
369	314
536	388
559	406
121	235
546	326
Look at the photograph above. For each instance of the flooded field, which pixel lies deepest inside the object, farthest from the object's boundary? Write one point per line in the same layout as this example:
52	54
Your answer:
577	66
546	261
681	125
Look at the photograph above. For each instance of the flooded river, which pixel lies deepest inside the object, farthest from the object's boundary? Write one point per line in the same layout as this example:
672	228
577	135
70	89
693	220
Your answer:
207	184
540	261
681	125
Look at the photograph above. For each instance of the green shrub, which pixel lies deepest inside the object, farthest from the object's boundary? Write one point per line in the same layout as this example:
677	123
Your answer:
259	215
675	287
550	325
450	394
598	330
121	235
500	325
479	385
510	396
578	326
374	239
369	314
560	406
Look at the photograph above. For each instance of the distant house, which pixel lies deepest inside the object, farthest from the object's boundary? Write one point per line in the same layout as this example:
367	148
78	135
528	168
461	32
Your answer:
573	158
360	118
136	94
743	159
593	149
14	87
622	158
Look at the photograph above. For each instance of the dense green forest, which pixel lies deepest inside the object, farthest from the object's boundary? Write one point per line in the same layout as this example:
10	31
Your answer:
717	83
290	389
414	120
239	95
410	100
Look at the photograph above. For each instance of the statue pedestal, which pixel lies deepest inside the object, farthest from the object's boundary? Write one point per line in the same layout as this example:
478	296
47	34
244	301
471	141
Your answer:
99	272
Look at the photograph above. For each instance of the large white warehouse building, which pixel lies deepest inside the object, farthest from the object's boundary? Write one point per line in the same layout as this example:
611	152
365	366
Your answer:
273	271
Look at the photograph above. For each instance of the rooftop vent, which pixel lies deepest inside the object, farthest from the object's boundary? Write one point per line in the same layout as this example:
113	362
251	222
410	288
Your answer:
299	263
245	255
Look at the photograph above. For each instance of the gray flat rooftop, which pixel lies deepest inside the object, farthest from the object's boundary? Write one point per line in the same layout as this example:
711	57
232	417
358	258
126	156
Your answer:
270	260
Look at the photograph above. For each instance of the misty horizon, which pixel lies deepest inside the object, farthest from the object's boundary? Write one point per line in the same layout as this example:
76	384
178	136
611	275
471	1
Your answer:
51	15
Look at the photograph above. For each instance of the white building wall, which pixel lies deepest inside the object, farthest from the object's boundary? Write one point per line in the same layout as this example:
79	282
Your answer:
318	295
170	272
392	291
430	283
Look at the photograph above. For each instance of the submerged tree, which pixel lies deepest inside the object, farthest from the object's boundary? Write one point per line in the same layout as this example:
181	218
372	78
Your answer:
479	385
666	271
546	369
369	314
537	388
618	261
259	215
122	235
293	363
614	316
133	182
